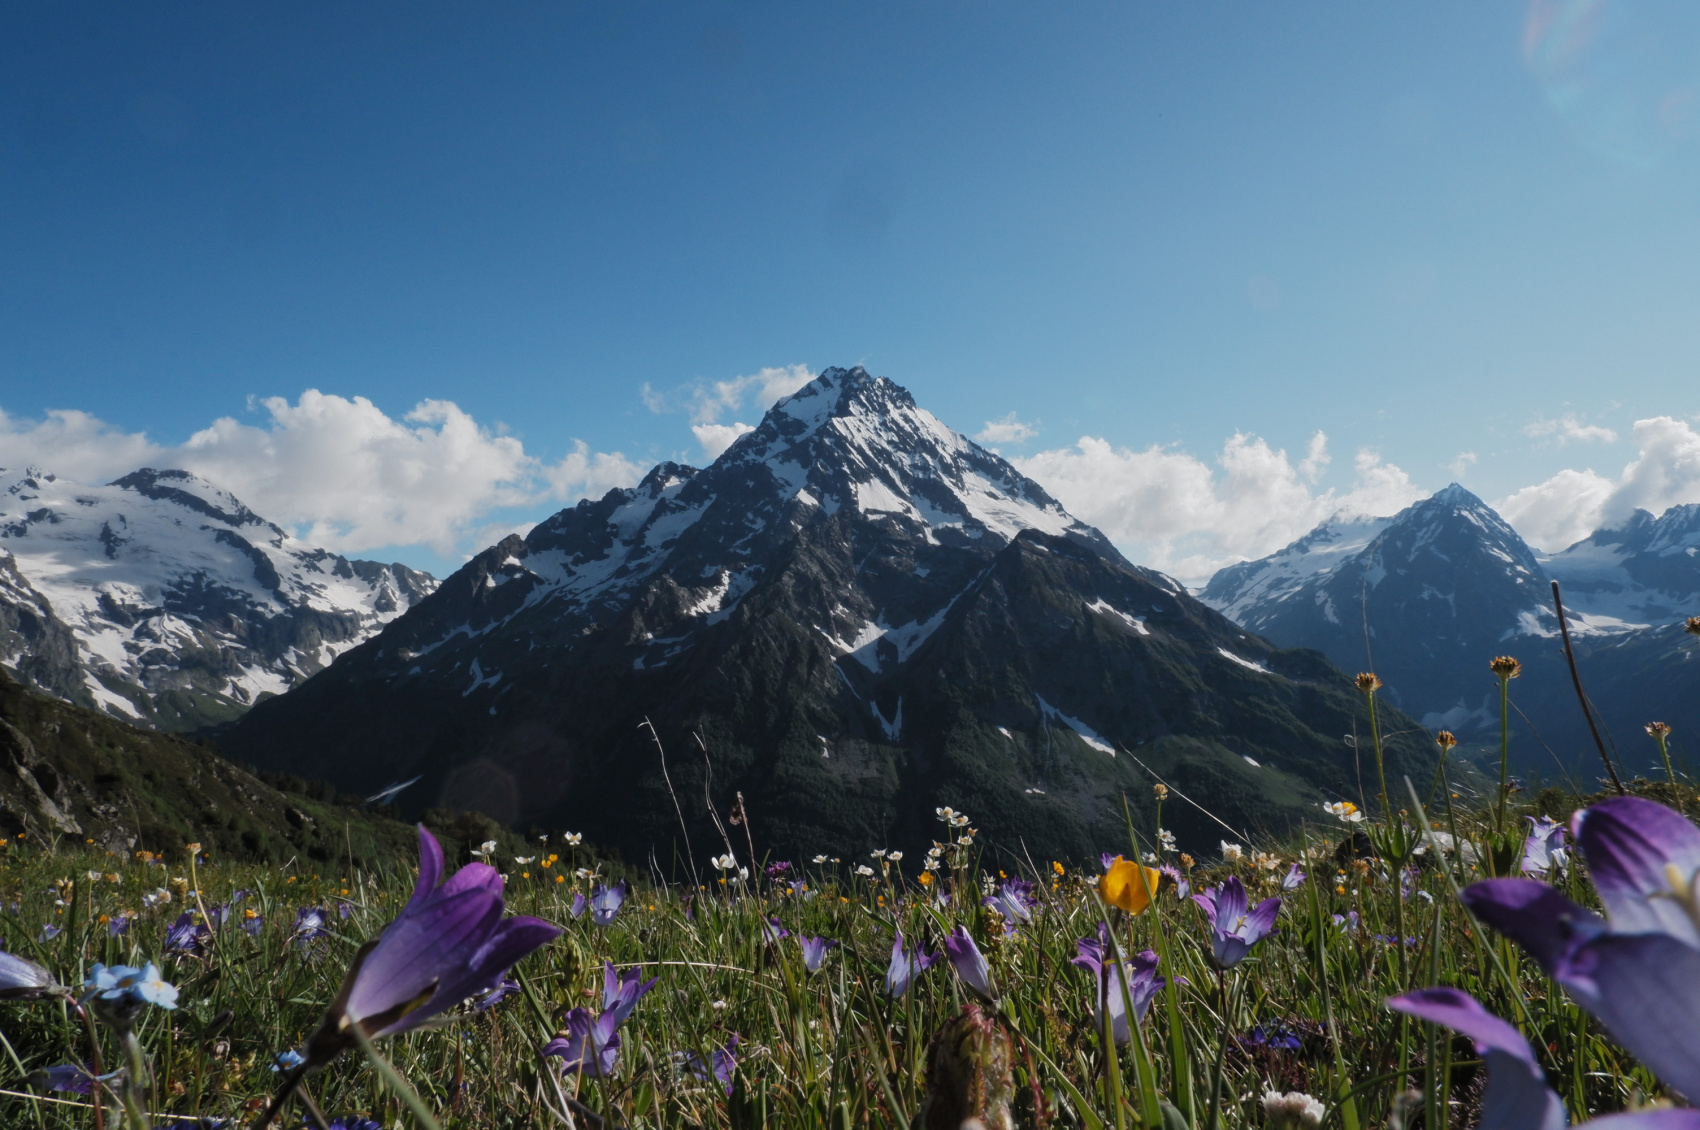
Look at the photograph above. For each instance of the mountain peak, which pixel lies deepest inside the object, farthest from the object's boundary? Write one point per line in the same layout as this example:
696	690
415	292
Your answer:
1455	494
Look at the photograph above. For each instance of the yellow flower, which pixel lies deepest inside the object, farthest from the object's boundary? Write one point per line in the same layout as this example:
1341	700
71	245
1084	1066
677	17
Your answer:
1057	867
1129	886
926	878
560	878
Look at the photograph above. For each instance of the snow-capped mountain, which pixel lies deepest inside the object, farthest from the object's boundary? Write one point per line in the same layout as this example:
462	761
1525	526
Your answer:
1239	591
1425	601
1642	574
863	615
162	599
1440	588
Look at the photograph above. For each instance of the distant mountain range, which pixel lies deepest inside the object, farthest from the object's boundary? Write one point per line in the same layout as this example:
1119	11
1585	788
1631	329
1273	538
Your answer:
853	616
1428	596
162	599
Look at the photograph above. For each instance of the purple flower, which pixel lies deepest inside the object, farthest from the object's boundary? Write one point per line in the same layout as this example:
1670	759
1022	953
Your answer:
1114	992
1272	1036
221	914
1544	849
800	889
449	942
118	925
1234	928
772	931
605	902
1294	879
592	1045
969	963
48	933
354	1122
1347	922
1638	970
814	951
489	1000
253	926
905	966
778	870
23	980
1517	1096
723	1061
310	924
1014	901
579	904
1108	858
1182	887
186	936
76	1078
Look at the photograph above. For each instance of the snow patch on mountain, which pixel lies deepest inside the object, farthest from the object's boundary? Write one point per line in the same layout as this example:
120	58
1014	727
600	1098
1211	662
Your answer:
170	584
1086	733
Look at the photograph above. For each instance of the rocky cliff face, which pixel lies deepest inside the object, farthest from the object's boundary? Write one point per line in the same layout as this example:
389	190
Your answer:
853	616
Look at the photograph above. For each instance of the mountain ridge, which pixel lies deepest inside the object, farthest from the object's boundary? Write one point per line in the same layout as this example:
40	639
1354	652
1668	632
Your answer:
859	613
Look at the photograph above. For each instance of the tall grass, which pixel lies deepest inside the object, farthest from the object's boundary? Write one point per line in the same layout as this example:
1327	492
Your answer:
1304	1012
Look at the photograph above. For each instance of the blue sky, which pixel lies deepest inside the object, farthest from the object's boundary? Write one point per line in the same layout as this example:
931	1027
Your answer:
1428	231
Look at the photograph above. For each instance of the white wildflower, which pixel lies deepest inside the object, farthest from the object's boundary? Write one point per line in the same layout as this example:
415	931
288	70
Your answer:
894	856
1233	853
1345	811
820	859
486	851
1294	1110
864	870
1166	839
574	839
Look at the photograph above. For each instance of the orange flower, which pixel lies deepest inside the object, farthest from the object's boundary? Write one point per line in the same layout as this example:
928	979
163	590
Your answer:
1128	885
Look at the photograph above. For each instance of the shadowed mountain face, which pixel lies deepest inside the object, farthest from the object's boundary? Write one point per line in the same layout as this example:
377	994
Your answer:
163	600
1445	585
862	615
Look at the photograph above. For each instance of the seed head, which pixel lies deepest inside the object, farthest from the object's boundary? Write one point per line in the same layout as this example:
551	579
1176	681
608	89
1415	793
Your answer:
1505	667
1445	739
1659	730
1162	791
1368	683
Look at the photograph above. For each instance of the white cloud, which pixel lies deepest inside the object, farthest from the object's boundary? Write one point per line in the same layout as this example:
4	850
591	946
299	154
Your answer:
1573	504
705	402
1316	458
1174	511
1568	429
337	472
1465	460
1007	430
716	438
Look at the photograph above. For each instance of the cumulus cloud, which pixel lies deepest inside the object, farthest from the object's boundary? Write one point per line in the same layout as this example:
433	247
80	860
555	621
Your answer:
1006	430
1572	504
1569	429
716	438
1189	517
1465	460
706	401
337	472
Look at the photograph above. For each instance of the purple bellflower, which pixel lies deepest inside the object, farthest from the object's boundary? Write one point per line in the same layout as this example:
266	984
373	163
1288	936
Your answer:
906	965
579	905
772	931
449	942
1182	887
723	1061
605	902
187	935
1638	969
310	922
1107	859
78	1079
814	951
1014	902
1517	1095
1293	879
1235	928
969	962
1114	991
23	980
505	988
1544	849
592	1045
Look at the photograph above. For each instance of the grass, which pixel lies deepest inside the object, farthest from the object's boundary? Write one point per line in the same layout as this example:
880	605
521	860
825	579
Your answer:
824	1049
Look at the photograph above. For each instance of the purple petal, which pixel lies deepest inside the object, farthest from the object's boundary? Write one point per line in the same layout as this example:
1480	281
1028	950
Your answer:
1517	1097
1645	989
420	948
430	864
1534	915
474	877
1464	1014
512	939
969	963
1261	920
1629	843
